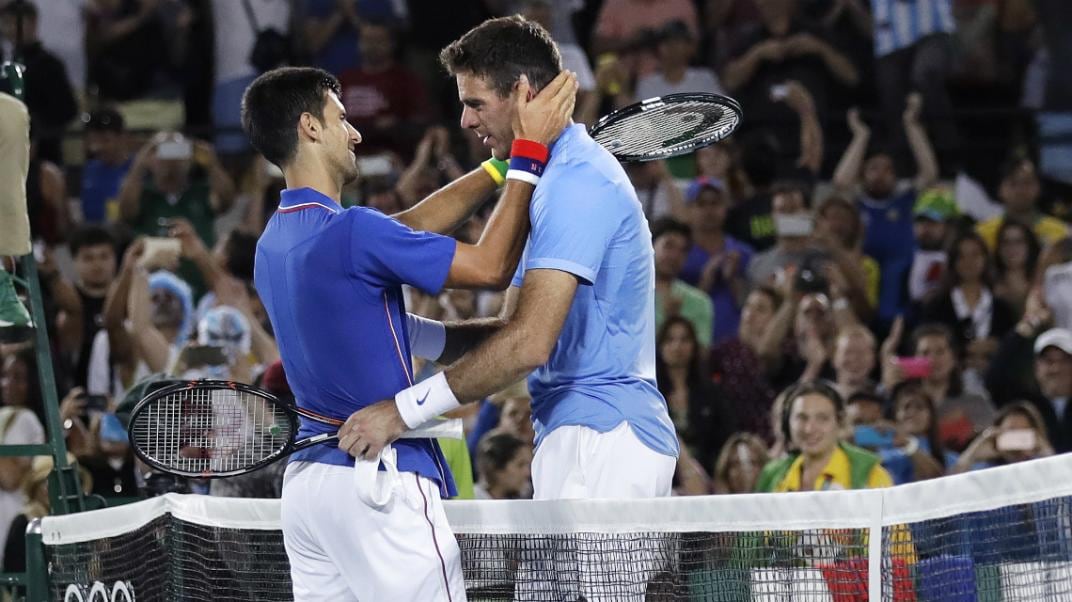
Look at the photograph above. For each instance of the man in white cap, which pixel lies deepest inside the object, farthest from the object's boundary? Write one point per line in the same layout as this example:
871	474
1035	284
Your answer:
1053	372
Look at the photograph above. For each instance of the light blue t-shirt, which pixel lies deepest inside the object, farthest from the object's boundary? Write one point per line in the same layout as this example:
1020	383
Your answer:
586	220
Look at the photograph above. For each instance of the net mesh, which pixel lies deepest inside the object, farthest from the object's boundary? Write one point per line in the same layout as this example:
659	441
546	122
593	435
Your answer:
998	535
199	431
667	129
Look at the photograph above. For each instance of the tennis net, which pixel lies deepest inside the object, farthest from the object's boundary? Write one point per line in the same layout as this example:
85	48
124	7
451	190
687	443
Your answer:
1003	534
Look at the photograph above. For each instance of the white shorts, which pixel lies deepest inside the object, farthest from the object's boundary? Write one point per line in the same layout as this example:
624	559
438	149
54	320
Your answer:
576	462
340	549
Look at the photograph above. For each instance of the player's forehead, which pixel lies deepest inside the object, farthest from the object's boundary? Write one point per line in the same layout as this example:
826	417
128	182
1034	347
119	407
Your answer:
475	88
332	104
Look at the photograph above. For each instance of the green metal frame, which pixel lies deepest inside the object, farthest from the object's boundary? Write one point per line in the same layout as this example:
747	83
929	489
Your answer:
64	488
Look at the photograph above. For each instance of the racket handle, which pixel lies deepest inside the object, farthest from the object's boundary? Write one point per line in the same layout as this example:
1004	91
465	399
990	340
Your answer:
435	429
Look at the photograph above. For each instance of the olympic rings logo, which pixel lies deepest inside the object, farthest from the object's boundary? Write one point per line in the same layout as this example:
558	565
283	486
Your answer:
122	591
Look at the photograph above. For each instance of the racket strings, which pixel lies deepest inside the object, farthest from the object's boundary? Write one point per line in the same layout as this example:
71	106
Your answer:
668	129
211	431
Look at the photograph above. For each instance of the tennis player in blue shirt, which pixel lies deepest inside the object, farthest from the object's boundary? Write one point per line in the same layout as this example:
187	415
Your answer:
582	317
330	280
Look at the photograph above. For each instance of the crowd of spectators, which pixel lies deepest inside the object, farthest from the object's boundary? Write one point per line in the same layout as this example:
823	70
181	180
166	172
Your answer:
868	284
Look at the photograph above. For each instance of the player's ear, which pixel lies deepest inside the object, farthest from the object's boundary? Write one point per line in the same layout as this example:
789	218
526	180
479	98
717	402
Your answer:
309	127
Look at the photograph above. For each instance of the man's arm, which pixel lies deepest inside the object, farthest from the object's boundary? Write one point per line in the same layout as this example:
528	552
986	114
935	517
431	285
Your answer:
926	164
516	349
847	172
221	186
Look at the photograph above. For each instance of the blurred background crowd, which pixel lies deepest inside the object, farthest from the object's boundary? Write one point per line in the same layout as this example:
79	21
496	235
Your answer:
892	217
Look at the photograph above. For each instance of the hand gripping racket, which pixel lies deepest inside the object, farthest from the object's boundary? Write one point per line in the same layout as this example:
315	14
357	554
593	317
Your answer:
667	126
211	428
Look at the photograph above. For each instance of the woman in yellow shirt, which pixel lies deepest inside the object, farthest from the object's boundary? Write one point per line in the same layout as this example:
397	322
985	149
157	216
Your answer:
821	459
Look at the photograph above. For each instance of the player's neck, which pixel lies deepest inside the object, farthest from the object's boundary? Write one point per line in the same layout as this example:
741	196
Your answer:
307	172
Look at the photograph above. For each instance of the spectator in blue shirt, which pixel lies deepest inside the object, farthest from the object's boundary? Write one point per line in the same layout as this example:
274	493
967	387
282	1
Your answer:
108	163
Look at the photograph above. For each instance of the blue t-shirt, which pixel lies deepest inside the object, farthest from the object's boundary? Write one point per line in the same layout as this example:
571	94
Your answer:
331	282
342	51
890	240
587	221
727	310
100	182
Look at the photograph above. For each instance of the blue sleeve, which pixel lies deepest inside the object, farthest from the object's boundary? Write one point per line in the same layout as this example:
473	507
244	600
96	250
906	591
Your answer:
573	221
390	253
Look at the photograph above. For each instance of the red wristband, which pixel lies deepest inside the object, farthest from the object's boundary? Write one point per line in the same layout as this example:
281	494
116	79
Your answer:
529	150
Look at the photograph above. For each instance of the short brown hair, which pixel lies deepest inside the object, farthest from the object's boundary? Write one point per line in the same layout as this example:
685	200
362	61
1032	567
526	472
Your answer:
503	49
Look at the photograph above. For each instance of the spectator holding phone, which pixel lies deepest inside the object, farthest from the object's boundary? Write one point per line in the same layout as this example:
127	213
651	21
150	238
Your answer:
901	453
962	412
173	176
1018	434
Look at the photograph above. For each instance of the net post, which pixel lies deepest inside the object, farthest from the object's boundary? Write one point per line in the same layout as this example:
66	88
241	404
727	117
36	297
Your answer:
874	547
36	568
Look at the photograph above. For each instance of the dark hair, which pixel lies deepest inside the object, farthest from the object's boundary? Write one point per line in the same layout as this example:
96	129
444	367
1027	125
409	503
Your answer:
771	293
840	201
914	386
502	50
1013	164
1034	249
951	279
495	450
669	225
880	150
34	401
814	387
939	329
90	235
25	9
1025	409
662	373
273	103
240	248
791	187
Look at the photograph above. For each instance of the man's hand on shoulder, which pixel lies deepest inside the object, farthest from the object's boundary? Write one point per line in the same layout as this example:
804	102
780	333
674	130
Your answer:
370	429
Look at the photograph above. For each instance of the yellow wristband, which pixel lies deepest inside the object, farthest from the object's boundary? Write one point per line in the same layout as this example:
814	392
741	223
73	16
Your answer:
496	169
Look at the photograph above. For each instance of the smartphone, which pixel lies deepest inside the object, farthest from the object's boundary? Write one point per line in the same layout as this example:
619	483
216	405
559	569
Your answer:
793	225
873	438
779	91
374	166
1016	440
174	150
915	367
160	251
204	355
112	429
95	403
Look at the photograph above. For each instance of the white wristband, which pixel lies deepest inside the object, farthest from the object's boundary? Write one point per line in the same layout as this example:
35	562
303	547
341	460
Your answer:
427	338
426	400
524	176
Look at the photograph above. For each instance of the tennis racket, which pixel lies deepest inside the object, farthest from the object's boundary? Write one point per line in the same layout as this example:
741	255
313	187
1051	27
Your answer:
667	126
212	428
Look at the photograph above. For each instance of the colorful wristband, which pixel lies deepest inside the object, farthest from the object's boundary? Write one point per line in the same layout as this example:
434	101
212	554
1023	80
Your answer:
496	169
529	150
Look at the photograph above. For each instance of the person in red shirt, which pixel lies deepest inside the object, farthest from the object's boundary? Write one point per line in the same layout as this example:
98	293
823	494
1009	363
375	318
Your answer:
384	100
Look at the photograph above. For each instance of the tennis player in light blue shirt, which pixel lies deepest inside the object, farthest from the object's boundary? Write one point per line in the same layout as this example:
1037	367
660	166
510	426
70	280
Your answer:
579	320
588	226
